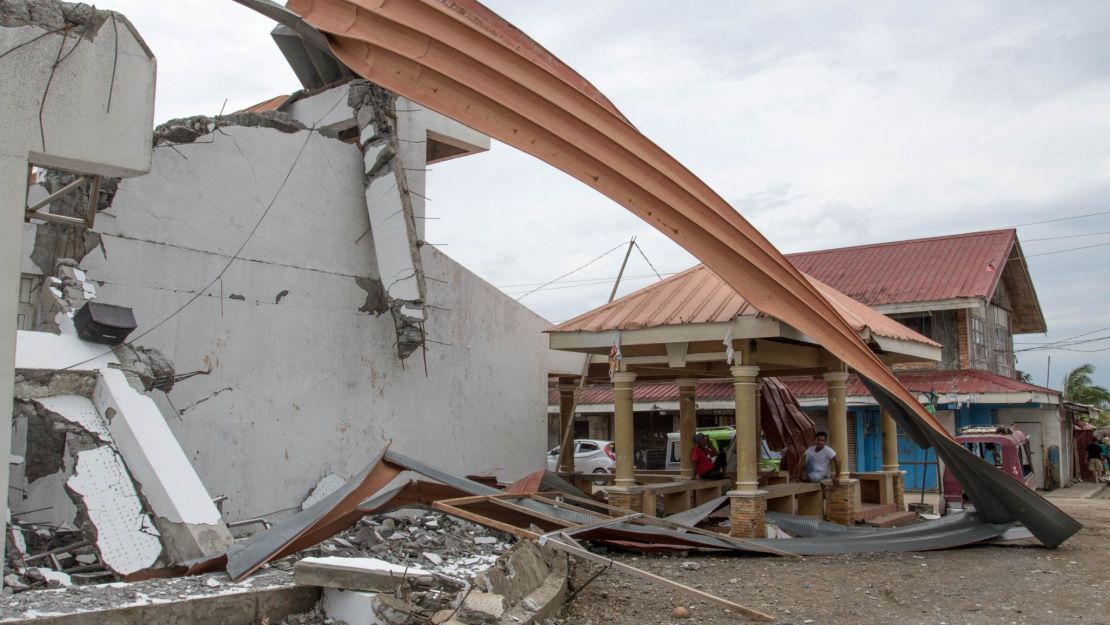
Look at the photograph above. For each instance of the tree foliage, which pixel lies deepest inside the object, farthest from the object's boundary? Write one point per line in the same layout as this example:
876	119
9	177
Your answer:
1080	387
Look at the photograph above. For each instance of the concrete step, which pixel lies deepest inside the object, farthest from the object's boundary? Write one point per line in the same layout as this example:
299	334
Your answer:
893	519
869	511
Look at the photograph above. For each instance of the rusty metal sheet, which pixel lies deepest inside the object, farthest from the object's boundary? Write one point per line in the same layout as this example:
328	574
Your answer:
784	424
320	521
461	60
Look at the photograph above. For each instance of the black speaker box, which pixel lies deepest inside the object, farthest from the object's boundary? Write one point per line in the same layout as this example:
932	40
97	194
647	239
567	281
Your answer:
104	323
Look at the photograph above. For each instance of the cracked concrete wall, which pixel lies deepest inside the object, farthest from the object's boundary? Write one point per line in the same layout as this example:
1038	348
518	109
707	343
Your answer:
54	111
315	383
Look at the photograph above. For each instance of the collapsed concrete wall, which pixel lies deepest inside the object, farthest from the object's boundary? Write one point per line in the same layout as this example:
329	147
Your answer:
98	456
297	350
78	94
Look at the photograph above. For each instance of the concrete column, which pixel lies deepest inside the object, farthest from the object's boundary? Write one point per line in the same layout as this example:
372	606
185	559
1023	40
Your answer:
567	390
623	434
747	429
838	418
890	443
687	423
13	189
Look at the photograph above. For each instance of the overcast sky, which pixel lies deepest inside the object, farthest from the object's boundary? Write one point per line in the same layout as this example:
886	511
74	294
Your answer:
824	123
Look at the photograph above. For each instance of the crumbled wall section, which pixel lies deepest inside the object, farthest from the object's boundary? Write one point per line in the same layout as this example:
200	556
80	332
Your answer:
67	433
389	202
52	15
55	241
189	129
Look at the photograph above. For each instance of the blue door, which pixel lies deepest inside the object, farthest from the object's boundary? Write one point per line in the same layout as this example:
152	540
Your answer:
869	439
919	464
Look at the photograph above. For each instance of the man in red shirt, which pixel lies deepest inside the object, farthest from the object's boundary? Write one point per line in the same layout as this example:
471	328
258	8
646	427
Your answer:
703	455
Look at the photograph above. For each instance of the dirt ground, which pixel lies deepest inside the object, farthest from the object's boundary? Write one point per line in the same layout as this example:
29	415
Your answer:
1009	585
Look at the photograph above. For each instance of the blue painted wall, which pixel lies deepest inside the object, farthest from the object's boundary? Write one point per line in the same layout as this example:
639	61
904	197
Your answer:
919	464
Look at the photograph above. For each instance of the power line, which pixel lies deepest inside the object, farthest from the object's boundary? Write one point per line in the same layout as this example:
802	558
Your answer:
1068	236
1062	340
599	282
1061	344
605	279
1049	221
573	271
641	250
1071	249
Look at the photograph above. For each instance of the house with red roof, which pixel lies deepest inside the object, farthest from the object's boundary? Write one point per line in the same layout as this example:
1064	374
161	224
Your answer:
969	293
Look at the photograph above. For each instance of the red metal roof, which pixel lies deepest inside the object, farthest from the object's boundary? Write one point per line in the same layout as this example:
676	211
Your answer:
919	270
962	381
966	381
698	295
267	105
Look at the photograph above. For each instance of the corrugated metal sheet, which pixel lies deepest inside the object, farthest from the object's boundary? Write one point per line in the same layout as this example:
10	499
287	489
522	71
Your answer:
968	381
965	381
698	295
920	270
267	105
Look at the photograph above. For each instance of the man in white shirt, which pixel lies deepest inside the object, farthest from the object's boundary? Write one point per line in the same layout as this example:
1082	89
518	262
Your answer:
818	458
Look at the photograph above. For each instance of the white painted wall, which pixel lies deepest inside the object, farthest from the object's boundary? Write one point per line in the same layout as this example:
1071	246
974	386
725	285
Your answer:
78	132
310	385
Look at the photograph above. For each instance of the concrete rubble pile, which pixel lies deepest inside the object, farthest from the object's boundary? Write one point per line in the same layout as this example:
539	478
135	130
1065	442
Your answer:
419	538
416	565
412	565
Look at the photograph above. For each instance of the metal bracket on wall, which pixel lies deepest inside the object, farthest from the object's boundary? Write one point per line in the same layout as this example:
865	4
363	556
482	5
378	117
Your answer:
32	211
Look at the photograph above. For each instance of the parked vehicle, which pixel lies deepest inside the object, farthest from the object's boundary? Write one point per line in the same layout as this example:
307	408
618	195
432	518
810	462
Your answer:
1001	445
721	439
590	456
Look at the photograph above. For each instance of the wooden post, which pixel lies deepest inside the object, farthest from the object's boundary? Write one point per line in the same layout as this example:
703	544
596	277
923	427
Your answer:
890	443
838	418
687	410
567	390
747	428
623	438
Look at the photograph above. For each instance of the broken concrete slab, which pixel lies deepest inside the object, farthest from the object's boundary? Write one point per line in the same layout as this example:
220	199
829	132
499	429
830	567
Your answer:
326	486
370	574
185	601
126	538
182	507
352	607
482	607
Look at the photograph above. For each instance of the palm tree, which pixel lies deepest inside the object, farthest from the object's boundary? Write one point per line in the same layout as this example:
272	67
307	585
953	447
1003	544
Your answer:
1080	388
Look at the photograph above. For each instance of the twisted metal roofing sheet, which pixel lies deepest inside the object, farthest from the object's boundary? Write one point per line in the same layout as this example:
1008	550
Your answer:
465	62
965	381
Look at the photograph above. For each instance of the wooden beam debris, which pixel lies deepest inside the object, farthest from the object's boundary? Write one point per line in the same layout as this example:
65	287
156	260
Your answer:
566	544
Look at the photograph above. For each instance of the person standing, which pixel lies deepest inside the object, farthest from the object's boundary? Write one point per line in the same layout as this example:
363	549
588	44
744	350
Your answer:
1094	459
819	457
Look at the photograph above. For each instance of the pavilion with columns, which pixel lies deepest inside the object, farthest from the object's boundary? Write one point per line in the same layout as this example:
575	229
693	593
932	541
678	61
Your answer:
693	326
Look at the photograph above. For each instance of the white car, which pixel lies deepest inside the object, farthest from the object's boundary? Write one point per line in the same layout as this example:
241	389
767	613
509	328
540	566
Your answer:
590	456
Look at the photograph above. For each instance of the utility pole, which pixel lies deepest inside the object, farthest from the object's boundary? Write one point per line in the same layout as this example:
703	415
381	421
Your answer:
566	446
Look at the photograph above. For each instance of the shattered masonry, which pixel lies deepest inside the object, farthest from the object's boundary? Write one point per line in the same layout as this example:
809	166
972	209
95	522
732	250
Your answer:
389	202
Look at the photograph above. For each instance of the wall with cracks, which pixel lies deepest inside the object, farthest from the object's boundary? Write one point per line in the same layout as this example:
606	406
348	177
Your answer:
301	376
